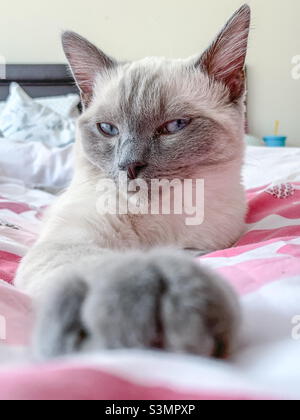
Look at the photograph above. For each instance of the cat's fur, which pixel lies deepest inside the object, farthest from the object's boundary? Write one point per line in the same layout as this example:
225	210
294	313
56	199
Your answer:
112	287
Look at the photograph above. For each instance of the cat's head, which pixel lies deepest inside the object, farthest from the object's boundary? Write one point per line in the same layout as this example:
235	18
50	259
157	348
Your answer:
160	118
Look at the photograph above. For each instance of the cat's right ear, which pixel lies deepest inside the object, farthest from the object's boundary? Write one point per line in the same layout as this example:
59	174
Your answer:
86	62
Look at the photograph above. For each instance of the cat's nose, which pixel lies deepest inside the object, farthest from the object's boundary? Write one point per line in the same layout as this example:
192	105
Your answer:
133	168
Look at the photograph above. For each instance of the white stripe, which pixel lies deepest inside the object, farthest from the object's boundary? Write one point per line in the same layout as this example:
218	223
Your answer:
260	253
274	221
9	245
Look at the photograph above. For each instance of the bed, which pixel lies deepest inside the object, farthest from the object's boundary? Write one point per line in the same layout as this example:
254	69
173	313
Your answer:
43	91
263	267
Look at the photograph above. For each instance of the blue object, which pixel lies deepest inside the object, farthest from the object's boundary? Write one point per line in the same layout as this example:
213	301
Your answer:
275	141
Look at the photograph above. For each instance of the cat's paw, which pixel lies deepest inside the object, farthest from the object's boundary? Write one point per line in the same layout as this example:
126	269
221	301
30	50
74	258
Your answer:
161	299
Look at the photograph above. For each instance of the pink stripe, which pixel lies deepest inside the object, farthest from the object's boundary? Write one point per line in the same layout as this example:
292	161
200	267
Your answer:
8	266
264	204
292	250
258	236
17	208
250	276
59	382
239	250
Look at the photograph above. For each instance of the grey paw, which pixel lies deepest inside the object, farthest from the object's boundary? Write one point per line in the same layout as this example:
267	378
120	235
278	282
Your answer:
161	299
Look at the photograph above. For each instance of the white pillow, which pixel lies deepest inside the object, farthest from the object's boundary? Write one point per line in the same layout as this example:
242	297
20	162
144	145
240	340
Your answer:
265	165
36	165
66	105
24	119
2	105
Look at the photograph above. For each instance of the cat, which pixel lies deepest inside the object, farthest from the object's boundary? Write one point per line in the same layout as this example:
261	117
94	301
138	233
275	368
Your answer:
107	281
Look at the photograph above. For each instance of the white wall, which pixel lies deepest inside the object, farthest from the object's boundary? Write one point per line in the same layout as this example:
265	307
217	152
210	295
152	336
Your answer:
29	33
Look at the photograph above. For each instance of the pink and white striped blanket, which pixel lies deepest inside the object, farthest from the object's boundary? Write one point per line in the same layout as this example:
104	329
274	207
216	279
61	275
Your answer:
264	268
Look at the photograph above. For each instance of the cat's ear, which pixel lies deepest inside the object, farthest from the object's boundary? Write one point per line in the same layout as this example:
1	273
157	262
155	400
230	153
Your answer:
225	59
86	61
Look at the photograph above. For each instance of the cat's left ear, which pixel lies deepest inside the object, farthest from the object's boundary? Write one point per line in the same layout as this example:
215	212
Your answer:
86	62
224	60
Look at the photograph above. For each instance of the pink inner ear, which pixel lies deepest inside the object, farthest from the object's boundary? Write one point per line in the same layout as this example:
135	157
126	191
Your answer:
236	84
225	59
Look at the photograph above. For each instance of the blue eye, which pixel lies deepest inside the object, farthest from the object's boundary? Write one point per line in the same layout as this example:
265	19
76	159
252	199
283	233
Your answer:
173	127
108	129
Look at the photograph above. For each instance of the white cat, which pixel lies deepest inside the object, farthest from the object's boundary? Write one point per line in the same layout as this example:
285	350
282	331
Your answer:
113	283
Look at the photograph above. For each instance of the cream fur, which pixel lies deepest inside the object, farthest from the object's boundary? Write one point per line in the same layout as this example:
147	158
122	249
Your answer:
74	231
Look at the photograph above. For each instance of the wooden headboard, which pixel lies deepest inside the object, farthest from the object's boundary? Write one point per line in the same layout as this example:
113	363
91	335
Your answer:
38	80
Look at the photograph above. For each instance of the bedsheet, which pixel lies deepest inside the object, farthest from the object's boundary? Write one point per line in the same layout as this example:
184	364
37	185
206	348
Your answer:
263	267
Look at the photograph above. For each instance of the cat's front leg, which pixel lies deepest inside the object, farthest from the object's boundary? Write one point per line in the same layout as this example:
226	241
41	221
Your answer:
162	299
